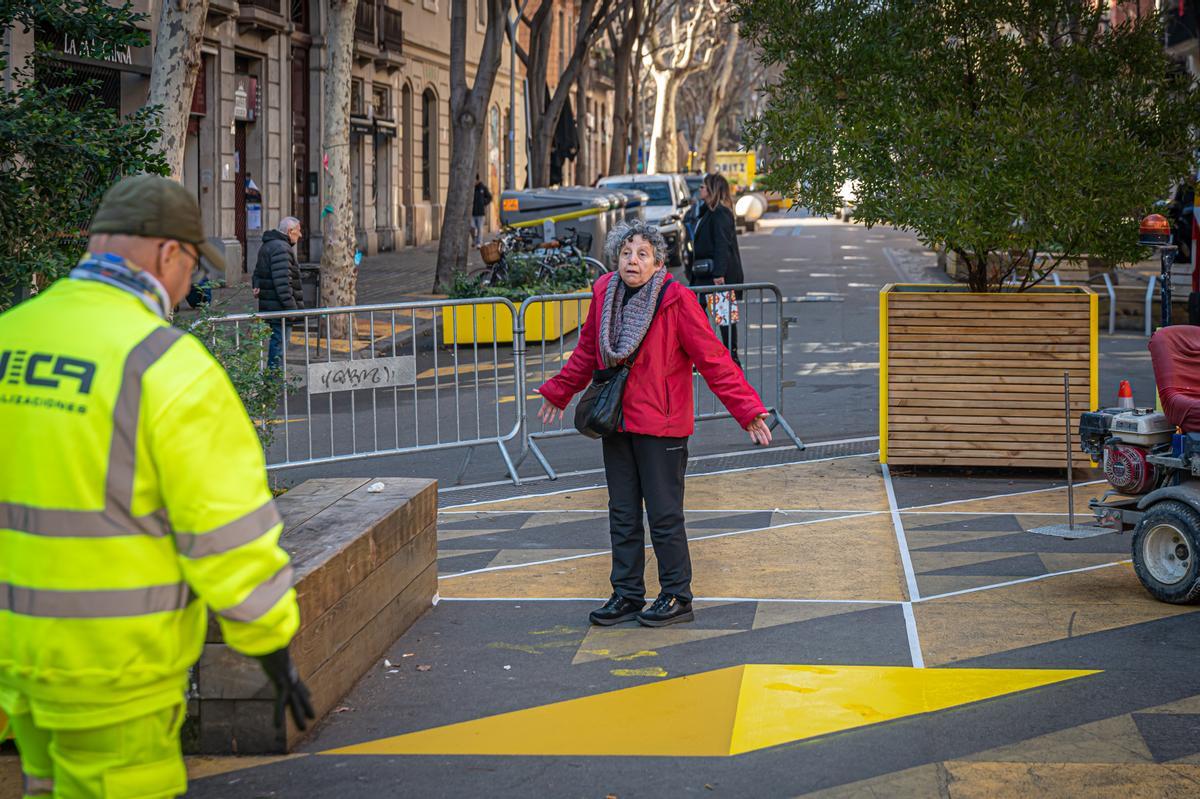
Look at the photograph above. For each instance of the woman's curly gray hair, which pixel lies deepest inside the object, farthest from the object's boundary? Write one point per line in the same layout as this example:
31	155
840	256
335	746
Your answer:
624	231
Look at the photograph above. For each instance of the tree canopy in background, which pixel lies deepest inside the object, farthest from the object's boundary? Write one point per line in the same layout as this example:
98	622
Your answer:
988	127
61	146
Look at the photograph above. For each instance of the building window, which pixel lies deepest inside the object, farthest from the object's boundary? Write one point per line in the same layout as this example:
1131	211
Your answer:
299	15
356	98
381	102
428	146
481	13
562	41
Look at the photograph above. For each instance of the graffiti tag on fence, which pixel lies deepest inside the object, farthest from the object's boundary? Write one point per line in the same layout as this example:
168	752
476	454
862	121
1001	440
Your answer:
324	378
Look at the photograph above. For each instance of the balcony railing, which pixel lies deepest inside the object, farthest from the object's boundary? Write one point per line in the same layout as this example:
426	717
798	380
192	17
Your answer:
274	6
391	33
364	22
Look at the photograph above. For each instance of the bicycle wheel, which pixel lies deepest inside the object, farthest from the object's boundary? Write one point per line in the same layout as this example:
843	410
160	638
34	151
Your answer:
486	276
594	267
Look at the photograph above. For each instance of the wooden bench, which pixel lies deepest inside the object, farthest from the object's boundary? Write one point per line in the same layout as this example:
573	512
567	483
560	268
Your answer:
366	569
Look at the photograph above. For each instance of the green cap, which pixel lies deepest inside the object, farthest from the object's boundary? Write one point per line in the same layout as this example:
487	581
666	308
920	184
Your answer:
154	207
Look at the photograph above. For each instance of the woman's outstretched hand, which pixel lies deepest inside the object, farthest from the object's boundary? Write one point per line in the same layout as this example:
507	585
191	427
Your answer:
550	414
759	432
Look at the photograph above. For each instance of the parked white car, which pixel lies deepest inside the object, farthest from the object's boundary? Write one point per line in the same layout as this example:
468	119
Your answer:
669	198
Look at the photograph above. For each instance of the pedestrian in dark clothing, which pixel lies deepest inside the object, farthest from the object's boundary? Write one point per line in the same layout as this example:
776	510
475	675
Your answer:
479	205
715	239
277	281
641	312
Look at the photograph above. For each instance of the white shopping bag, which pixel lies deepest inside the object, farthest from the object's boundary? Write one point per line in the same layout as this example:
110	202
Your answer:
723	307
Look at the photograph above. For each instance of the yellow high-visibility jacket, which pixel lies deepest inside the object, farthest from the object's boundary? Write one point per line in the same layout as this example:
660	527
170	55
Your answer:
133	496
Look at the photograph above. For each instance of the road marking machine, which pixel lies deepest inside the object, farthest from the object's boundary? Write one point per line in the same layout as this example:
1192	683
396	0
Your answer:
1150	458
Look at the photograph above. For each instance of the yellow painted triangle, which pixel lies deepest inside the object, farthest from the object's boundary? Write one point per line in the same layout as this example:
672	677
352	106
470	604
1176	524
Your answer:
718	713
683	716
780	704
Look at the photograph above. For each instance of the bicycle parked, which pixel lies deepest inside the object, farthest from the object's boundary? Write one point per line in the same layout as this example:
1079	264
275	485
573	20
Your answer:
567	250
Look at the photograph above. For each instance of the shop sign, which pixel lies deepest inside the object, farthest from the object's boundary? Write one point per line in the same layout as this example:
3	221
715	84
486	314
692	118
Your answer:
245	97
97	51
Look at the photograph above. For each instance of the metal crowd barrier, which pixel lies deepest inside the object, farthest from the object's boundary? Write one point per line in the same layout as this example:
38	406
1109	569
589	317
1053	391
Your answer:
436	375
457	374
761	332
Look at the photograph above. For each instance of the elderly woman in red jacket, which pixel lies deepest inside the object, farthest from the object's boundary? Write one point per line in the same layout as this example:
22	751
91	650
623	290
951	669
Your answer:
641	308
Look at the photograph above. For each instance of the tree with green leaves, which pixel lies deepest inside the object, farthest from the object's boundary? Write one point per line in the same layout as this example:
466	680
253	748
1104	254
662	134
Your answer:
60	145
1014	133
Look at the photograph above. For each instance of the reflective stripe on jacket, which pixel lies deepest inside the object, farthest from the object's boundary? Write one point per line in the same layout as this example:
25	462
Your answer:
133	494
658	393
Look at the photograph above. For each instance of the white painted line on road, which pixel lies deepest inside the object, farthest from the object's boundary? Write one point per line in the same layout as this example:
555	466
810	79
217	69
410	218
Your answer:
914	643
582	472
977	513
696	474
685	510
781	600
891	259
599	511
910	577
912	508
804	523
1024	580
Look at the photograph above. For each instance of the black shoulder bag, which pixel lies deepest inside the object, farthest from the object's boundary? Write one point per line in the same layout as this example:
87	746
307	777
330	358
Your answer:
599	412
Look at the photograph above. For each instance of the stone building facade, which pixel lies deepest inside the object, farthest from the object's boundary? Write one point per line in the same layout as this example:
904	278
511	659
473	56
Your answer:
253	151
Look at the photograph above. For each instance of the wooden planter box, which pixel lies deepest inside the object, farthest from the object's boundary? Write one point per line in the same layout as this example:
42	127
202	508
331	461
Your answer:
365	570
969	379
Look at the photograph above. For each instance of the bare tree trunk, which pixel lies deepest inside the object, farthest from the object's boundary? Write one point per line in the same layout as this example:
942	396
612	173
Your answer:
583	161
593	16
622	56
339	274
708	135
173	73
679	50
468	109
662	142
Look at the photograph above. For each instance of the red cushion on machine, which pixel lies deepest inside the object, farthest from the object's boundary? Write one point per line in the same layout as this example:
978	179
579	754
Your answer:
1175	355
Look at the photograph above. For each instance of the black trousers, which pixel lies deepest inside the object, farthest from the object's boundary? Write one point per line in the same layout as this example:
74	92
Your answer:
647	470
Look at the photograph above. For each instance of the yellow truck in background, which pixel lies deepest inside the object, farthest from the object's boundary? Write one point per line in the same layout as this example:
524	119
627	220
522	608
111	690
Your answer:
738	169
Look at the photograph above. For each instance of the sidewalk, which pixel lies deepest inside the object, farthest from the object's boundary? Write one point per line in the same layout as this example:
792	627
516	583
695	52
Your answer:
405	274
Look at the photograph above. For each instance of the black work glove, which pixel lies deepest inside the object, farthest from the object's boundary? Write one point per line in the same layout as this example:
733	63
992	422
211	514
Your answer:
290	693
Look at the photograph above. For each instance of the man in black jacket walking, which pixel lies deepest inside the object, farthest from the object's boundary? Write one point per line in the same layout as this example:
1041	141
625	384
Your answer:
478	208
277	280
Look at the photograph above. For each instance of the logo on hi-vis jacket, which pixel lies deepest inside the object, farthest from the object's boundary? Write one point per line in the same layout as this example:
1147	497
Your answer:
44	370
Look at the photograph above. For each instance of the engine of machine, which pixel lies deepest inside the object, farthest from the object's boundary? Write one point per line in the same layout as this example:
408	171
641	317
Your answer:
1120	439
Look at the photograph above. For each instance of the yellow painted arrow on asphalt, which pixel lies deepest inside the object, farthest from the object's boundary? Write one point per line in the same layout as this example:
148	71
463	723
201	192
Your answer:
718	713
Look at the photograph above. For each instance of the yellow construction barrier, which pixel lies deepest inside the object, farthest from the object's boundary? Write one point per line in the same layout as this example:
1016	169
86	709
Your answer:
485	324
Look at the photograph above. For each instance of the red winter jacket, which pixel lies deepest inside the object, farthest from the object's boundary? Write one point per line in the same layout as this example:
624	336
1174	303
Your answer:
658	393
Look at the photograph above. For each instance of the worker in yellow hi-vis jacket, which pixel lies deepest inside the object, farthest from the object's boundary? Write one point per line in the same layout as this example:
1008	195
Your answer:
133	496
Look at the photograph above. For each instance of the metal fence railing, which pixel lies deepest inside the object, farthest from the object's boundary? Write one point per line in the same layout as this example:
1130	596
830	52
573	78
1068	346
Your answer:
391	379
374	380
761	329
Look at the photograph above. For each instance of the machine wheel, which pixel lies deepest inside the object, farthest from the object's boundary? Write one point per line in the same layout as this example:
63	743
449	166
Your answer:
1166	546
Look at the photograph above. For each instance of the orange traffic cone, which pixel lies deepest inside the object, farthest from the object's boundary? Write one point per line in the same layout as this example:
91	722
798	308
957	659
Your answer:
1125	395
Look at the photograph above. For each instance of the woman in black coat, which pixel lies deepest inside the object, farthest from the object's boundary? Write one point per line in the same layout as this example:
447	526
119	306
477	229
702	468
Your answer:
715	239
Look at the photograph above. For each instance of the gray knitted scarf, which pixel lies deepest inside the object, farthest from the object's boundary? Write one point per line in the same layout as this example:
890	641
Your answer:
624	325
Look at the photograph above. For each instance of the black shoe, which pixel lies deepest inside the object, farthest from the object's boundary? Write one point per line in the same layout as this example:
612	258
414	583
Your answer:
667	609
616	610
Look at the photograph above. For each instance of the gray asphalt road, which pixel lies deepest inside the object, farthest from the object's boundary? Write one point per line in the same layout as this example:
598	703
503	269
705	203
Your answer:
829	273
